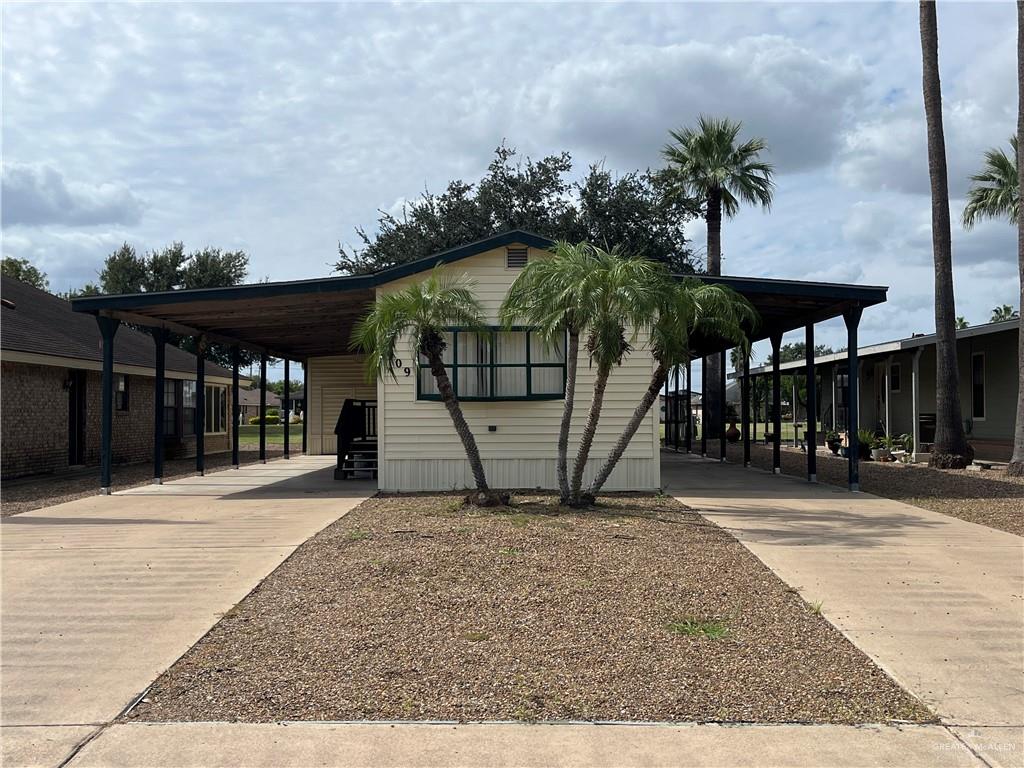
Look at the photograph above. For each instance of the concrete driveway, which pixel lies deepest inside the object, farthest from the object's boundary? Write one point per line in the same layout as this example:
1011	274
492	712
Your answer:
101	595
934	600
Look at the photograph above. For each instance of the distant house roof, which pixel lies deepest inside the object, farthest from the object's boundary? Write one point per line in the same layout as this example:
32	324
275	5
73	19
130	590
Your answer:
251	397
39	323
898	345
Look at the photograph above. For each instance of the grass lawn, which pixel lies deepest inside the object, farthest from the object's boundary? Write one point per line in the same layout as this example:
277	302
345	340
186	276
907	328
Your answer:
249	434
415	607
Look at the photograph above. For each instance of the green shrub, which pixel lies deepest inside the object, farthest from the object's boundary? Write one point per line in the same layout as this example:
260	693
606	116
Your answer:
272	412
270	420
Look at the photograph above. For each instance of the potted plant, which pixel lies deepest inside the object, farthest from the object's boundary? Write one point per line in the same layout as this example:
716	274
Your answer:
866	440
832	441
882	451
732	434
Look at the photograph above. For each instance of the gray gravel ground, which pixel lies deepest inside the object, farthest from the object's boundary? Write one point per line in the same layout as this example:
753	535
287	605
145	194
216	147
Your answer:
413	607
990	498
44	491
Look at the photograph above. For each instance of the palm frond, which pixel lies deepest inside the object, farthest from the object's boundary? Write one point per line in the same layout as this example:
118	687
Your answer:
995	193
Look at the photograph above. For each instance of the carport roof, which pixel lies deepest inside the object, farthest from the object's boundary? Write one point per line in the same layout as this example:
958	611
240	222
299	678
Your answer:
307	318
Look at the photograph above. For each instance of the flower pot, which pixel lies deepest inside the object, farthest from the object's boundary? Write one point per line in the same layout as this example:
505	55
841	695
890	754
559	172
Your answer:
732	434
879	454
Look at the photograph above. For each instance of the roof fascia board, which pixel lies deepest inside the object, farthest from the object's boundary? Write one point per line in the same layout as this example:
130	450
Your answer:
56	361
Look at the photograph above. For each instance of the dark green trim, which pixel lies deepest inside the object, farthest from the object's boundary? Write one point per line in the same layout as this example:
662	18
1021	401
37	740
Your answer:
455	366
864	295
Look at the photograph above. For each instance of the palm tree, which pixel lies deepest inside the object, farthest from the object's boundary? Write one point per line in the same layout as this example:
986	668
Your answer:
424	311
708	164
625	294
684	306
961	322
995	193
951	447
1016	465
549	295
1005	312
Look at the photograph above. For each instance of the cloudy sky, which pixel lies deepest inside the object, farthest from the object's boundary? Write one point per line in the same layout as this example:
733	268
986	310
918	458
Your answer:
279	128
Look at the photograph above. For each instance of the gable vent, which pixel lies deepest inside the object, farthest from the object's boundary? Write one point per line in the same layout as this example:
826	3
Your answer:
515	257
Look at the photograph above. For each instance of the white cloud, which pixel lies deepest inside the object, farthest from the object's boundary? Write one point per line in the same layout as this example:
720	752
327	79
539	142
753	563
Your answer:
38	194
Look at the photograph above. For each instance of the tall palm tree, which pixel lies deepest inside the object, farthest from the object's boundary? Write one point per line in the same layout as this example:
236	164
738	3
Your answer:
1005	312
684	306
961	323
951	448
424	311
708	163
1016	465
550	296
995	193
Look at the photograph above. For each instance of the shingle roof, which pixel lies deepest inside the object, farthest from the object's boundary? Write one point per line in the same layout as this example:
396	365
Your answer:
38	322
252	397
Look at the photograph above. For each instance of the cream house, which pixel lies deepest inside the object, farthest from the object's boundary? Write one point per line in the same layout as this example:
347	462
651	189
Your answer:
511	389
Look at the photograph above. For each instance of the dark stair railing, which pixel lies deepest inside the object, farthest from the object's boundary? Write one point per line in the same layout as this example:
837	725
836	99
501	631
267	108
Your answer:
356	431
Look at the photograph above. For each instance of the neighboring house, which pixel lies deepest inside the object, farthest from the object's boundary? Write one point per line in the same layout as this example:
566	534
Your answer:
296	401
511	387
249	399
51	389
897	387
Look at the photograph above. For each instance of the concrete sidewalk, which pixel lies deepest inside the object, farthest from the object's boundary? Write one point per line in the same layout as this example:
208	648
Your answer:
934	600
498	745
101	595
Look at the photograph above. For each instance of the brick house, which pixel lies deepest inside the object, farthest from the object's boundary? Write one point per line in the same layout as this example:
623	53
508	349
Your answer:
50	390
249	399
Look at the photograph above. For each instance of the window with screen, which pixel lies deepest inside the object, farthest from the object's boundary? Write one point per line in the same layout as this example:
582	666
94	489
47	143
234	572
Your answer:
895	377
978	385
499	365
188	407
170	409
121	392
216	409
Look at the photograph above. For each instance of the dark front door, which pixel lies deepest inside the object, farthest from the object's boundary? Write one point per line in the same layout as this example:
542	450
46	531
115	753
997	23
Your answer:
76	418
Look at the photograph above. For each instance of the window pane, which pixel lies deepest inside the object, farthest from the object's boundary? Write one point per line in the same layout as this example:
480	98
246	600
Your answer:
894	377
510	382
551	353
169	394
474	348
978	386
188	418
546	381
428	385
510	347
474	382
188	394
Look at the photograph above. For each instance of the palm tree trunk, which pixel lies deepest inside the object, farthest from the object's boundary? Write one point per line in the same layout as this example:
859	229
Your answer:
587	439
650	396
951	448
1016	466
571	360
715	372
444	387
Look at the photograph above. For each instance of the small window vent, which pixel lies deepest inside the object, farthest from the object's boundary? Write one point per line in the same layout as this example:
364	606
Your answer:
515	257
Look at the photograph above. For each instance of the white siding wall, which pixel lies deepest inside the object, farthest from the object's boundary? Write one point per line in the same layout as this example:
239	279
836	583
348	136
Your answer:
419	449
329	382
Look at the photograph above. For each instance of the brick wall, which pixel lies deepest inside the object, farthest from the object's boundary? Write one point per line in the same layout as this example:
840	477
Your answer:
33	419
34	430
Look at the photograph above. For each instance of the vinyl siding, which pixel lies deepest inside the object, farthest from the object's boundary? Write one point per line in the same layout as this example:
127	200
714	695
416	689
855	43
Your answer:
421	451
330	381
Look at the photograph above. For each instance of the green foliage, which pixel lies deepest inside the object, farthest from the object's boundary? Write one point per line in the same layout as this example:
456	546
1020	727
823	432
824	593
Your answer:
632	210
706	160
1005	312
961	322
711	629
995	193
270	420
125	271
273	412
277	387
23	270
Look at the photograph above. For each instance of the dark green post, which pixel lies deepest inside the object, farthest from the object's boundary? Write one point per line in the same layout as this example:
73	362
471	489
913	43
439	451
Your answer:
721	409
160	343
852	318
108	328
776	405
812	407
284	407
688	433
305	403
704	406
745	409
236	407
263	407
201	407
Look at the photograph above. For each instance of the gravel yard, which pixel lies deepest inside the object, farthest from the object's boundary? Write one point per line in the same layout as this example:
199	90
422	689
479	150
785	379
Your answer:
27	494
990	498
413	607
